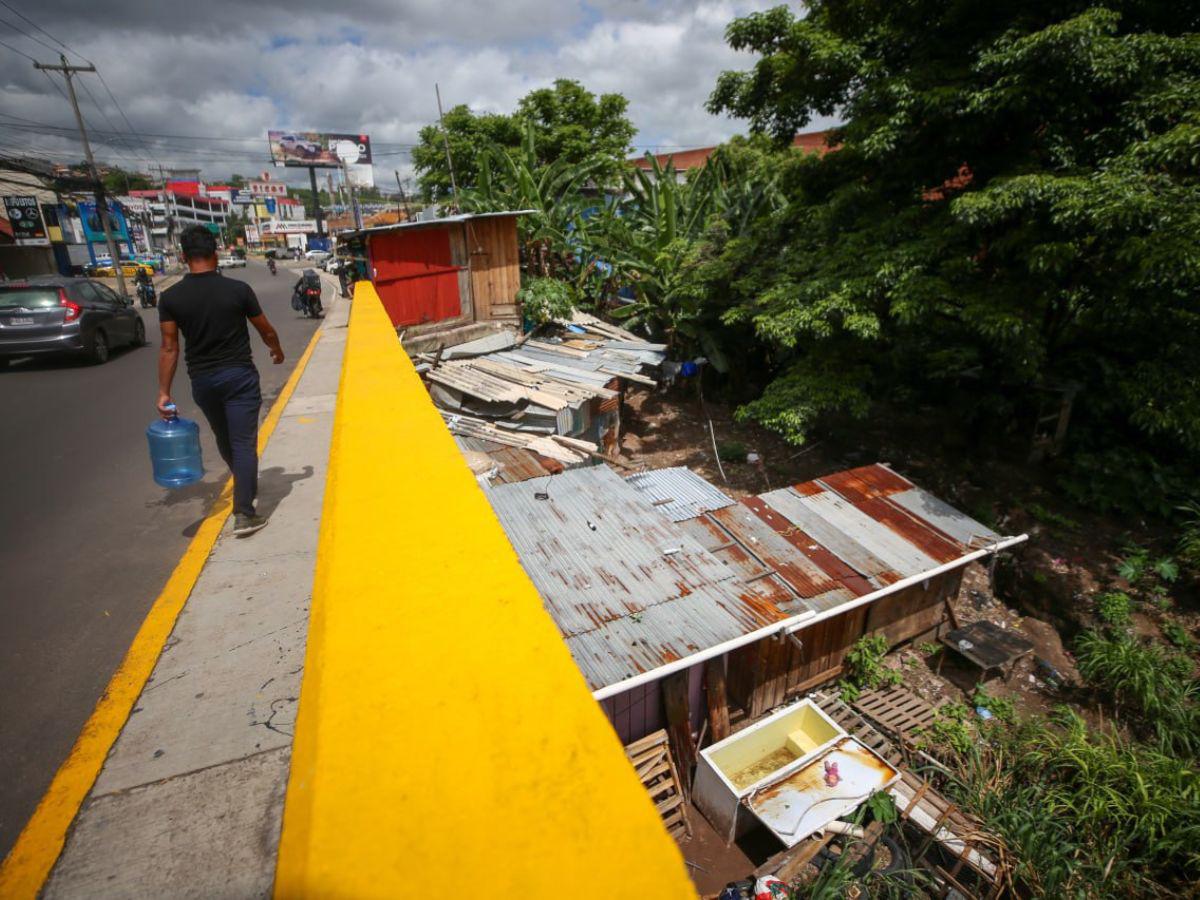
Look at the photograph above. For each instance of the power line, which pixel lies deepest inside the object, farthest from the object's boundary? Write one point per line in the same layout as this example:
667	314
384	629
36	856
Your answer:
19	52
37	26
36	40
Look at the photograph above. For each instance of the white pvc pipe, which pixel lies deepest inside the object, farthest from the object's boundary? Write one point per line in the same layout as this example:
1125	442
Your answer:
801	621
837	826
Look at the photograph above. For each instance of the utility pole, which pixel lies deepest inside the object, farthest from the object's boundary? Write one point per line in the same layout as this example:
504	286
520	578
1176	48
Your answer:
358	220
67	70
403	197
318	215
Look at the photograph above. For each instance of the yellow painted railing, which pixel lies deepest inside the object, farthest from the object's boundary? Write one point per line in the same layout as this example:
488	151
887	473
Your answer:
446	740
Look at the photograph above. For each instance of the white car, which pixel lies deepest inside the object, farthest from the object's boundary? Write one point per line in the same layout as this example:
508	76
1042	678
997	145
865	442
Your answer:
318	255
294	146
229	261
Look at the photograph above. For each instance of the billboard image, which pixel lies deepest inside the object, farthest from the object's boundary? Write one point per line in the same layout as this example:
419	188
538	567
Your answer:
322	149
93	229
26	220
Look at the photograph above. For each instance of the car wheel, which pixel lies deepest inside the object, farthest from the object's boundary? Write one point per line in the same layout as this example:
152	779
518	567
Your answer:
139	333
99	351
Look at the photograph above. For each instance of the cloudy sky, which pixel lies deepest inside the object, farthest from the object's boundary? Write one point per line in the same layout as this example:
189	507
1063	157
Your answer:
224	71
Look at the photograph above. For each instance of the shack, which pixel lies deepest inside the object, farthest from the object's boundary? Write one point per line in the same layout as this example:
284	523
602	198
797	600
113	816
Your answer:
660	582
457	276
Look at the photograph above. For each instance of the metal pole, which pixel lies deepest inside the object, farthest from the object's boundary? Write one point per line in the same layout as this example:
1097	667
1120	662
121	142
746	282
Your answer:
358	220
403	196
67	71
446	142
312	177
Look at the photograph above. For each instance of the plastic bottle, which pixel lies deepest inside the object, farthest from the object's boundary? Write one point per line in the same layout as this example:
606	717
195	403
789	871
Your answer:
175	451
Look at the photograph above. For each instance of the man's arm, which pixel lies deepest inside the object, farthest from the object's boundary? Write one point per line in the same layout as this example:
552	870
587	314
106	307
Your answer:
168	361
267	332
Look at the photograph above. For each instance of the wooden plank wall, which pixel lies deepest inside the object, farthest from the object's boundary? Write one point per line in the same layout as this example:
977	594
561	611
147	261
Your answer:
495	268
763	674
458	256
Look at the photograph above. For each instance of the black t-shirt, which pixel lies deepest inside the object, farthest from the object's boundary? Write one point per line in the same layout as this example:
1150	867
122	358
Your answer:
211	311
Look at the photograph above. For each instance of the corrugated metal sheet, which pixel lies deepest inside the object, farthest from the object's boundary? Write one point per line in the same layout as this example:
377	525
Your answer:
679	493
633	585
945	517
630	591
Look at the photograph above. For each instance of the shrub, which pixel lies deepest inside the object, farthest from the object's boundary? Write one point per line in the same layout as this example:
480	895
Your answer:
864	667
1189	536
543	299
732	451
1113	608
1001	707
1179	636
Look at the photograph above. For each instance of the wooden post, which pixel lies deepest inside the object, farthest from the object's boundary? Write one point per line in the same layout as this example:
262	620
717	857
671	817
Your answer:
718	705
679	727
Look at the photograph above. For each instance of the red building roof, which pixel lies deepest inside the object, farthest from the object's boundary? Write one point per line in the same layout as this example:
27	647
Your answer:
685	160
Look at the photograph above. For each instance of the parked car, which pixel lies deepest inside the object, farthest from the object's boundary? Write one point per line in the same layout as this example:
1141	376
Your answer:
104	268
229	261
318	255
53	314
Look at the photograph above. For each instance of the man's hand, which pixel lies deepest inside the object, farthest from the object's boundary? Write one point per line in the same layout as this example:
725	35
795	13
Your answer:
164	400
277	355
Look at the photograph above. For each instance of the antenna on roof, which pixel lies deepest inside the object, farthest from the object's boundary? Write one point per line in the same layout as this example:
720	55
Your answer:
446	144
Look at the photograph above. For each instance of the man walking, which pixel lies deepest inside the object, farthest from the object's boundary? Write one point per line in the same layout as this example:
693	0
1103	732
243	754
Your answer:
211	311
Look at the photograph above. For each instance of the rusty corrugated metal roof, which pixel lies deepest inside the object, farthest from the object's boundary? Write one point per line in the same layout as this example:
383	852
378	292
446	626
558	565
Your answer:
679	493
632	590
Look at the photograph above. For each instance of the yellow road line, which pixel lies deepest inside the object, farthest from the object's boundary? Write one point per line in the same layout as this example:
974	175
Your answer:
443	726
29	862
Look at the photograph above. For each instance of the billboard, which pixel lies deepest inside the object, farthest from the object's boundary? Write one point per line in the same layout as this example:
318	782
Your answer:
25	217
322	149
93	230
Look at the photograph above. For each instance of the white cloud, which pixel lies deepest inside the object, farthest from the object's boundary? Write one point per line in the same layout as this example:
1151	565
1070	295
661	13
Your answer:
226	69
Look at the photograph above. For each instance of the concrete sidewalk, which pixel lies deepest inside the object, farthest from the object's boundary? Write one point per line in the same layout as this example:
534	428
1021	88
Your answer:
190	800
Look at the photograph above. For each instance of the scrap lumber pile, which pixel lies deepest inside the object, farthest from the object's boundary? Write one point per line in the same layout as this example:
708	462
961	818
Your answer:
651	759
568	451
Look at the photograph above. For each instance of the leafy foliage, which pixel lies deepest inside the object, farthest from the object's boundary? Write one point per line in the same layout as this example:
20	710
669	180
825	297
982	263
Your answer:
570	124
1158	688
1012	206
543	299
1113	608
864	667
1084	813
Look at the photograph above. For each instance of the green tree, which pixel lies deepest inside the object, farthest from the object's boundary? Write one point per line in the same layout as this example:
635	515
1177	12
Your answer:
569	122
1013	205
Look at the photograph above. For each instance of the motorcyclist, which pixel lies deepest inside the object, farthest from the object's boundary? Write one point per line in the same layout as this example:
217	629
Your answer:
271	264
308	278
143	285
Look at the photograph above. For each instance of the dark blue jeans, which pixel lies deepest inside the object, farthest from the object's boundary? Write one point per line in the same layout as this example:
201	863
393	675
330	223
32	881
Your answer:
230	399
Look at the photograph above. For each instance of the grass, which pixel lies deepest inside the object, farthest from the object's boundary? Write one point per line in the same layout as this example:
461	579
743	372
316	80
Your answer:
1084	813
1179	637
1055	520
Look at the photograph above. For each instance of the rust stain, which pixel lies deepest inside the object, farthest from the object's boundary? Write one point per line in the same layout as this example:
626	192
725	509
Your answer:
918	533
807	488
823	558
807	581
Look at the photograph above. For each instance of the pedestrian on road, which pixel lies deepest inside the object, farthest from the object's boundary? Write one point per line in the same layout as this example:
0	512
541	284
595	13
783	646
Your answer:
211	311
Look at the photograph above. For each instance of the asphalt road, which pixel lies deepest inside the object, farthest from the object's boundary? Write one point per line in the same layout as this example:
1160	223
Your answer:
87	539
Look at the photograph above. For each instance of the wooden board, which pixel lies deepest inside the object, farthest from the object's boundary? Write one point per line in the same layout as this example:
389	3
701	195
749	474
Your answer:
651	759
896	709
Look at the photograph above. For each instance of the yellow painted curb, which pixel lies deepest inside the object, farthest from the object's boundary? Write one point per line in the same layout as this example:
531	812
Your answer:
28	864
444	731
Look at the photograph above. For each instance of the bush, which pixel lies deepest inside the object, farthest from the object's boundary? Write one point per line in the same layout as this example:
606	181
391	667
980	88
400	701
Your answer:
543	299
1113	608
864	667
1179	637
731	451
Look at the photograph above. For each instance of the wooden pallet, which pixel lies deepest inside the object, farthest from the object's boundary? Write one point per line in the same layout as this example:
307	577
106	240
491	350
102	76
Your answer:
651	759
896	709
854	724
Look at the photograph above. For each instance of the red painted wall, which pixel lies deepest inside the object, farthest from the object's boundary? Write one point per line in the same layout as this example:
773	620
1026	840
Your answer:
414	276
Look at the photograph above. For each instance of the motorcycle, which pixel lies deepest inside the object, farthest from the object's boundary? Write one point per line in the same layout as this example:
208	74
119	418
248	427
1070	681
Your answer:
307	299
271	264
147	295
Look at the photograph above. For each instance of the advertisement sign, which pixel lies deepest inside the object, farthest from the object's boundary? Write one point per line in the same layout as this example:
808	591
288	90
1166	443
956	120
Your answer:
93	230
361	176
268	188
26	219
321	149
303	226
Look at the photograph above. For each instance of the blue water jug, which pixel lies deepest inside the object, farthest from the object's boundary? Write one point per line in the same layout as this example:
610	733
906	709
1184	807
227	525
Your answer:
175	451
